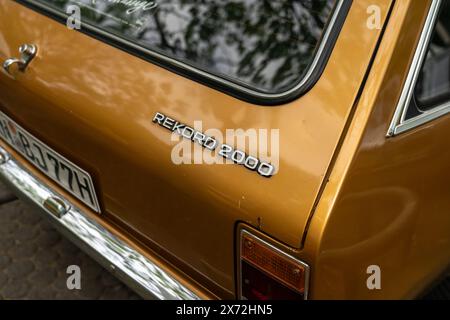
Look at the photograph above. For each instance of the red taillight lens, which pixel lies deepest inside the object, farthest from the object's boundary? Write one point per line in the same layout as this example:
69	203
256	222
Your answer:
268	273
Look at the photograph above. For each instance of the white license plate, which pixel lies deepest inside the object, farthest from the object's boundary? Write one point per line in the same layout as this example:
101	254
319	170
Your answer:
68	175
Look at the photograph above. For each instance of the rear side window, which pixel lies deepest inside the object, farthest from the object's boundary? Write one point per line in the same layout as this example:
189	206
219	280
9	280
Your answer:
433	85
426	93
261	47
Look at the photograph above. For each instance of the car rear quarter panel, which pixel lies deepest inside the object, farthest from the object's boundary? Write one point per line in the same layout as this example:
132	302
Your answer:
387	199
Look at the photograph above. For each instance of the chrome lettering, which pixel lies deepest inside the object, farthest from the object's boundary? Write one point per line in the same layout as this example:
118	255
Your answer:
226	151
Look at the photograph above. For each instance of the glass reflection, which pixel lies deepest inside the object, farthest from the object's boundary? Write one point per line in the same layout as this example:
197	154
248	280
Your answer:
433	86
263	44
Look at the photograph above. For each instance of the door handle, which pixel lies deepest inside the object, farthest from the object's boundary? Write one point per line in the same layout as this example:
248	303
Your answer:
27	53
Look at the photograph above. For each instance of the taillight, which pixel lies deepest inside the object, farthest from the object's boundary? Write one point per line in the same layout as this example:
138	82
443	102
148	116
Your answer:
267	273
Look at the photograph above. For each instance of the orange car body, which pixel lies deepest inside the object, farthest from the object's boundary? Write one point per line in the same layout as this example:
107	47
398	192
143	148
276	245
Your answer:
346	195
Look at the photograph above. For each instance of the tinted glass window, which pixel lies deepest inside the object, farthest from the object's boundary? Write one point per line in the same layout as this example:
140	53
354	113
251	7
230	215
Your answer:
433	86
267	45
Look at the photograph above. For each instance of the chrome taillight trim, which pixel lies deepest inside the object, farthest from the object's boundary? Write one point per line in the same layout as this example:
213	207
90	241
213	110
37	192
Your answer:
133	268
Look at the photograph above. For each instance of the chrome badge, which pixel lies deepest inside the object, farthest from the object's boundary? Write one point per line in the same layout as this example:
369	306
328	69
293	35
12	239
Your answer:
224	150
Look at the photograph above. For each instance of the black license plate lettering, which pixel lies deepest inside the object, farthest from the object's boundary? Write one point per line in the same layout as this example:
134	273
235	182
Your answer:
39	157
69	176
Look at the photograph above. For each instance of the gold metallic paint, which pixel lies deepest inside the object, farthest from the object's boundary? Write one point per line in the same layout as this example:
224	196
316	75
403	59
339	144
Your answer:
94	103
387	200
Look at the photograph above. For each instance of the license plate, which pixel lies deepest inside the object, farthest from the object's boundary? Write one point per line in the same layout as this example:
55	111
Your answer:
68	175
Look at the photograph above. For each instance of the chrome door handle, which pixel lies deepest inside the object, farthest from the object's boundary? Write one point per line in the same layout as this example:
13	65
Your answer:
27	53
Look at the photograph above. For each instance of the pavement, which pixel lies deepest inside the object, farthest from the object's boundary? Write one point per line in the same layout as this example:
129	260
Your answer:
34	259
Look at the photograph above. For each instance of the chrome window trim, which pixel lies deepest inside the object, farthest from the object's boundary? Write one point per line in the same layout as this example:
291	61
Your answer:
140	273
399	123
249	94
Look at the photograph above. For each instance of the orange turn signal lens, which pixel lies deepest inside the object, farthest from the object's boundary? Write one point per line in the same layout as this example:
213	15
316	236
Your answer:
269	273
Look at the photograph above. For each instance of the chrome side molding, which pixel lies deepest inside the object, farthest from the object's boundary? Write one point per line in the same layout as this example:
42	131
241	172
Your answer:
399	123
137	271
